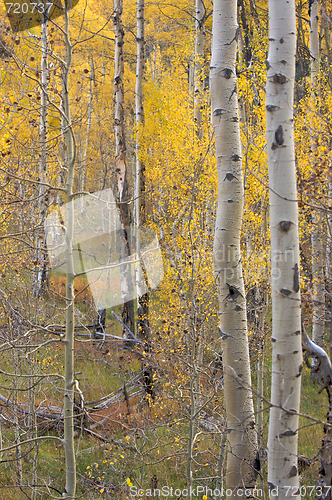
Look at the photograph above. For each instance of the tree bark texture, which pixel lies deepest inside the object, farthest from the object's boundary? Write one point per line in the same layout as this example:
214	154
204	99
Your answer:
285	282
43	131
241	432
317	253
121	170
70	325
142	298
199	64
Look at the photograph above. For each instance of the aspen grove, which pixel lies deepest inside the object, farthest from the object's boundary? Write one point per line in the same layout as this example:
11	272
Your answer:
166	249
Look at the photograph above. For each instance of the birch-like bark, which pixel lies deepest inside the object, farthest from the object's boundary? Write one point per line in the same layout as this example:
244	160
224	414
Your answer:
246	32
88	127
121	170
262	326
41	273
32	420
192	422
142	298
16	422
199	60
220	464
198	116
327	36
241	433
317	253
69	340
285	282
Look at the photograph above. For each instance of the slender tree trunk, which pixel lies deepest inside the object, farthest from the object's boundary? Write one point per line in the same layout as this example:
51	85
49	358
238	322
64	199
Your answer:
88	127
327	36
143	325
69	340
32	420
197	346
40	283
261	333
142	297
286	305
199	60
317	254
241	433
192	422
121	170
246	32
220	464
16	422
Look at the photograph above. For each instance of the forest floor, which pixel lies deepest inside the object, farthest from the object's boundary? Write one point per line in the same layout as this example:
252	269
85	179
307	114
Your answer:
131	442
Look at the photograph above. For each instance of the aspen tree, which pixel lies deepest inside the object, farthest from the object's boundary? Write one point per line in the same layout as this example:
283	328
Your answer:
286	312
83	155
142	298
69	339
241	433
316	232
199	59
41	274
196	346
121	170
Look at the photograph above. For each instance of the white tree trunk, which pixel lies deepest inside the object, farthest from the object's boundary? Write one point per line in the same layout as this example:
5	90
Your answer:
121	170
69	341
317	252
241	433
286	312
142	297
39	286
199	60
88	127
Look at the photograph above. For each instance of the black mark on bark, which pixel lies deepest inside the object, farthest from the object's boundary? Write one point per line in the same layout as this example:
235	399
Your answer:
229	176
285	225
279	136
288	434
296	285
227	73
271	107
293	472
218	112
279	78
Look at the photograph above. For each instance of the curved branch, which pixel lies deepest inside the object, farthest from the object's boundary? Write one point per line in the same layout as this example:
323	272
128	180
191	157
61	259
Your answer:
314	351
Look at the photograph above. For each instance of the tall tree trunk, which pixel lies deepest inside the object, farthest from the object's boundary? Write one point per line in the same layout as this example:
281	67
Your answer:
88	127
246	32
286	305
242	438
121	170
40	284
199	60
143	325
69	340
142	297
317	254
